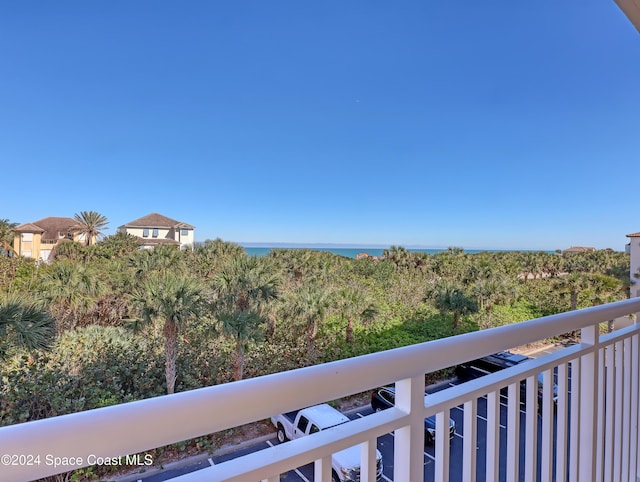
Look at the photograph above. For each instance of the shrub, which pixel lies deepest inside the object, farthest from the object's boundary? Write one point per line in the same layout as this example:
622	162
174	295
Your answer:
89	368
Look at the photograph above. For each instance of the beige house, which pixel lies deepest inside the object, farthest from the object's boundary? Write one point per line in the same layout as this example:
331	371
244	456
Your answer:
37	240
155	229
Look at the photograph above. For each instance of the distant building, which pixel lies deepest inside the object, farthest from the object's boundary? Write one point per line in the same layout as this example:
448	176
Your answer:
634	262
579	249
155	229
37	240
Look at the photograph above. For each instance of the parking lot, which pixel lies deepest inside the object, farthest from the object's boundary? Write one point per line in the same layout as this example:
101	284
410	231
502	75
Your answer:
386	447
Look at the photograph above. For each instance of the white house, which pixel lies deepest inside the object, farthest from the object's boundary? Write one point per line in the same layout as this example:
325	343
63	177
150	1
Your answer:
634	263
155	229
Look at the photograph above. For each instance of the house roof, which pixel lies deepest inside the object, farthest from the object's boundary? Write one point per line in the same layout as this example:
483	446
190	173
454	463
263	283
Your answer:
633	235
28	228
155	220
50	227
579	249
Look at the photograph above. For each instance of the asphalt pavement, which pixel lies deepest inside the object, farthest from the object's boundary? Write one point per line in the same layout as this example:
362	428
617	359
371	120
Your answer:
385	445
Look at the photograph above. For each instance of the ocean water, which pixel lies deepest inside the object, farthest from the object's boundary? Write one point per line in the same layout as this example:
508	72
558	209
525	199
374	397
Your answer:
346	252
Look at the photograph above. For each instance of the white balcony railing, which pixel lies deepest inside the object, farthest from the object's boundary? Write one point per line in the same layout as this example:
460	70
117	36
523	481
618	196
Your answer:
589	437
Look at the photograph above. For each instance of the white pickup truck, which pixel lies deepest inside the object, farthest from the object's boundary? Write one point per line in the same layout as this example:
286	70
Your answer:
346	463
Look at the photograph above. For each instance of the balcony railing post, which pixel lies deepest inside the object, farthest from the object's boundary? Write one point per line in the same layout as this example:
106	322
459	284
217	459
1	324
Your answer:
562	415
531	432
442	445
513	432
635	406
493	435
322	469
574	427
588	404
368	459
469	441
409	440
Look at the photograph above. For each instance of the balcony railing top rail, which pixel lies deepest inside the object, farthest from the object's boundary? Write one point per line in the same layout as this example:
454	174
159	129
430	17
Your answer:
143	425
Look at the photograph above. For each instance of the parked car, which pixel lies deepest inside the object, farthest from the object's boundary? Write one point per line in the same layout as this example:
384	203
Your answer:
345	464
499	361
489	364
385	397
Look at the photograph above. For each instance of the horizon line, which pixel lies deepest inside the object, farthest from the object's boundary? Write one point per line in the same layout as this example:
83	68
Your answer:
265	244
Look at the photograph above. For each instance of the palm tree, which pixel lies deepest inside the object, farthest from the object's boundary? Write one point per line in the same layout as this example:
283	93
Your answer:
207	258
172	300
6	235
71	289
118	245
400	256
552	264
312	304
489	290
449	298
65	249
532	263
243	290
161	259
353	303
24	324
574	284
450	264
91	225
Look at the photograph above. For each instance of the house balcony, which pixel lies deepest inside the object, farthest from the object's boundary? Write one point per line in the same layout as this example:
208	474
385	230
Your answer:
580	424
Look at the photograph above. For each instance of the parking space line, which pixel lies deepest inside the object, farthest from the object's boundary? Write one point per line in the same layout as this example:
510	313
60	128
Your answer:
501	397
298	473
210	462
429	457
485	397
482	418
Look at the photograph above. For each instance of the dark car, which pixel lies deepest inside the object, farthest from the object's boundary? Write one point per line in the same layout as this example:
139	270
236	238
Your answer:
496	362
489	364
385	397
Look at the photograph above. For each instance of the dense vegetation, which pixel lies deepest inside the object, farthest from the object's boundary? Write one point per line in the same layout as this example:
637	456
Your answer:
109	323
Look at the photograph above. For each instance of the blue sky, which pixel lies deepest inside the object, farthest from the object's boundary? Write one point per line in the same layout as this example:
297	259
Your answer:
497	124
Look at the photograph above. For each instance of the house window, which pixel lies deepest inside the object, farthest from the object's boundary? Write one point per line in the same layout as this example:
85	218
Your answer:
145	233
184	232
155	232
